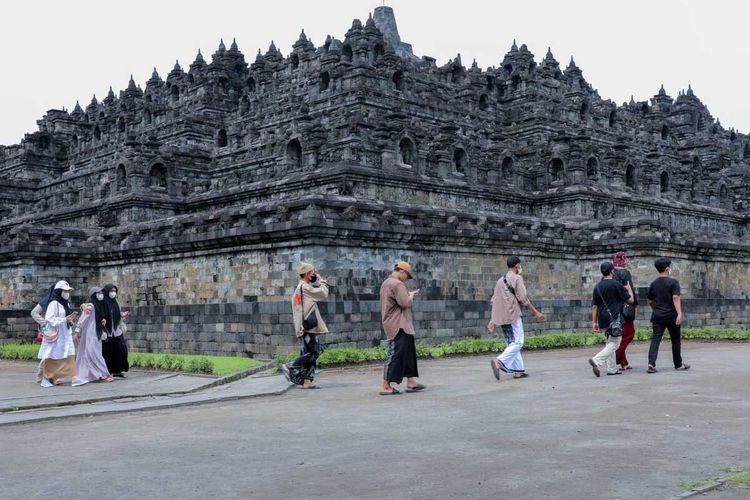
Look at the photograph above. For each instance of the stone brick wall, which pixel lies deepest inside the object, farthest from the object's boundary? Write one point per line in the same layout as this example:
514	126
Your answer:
219	303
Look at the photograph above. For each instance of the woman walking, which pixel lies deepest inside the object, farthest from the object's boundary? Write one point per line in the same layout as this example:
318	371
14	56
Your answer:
57	352
114	348
88	332
40	309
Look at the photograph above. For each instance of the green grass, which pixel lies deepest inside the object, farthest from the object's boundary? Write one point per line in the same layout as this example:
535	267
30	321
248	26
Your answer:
211	365
335	356
739	478
731	477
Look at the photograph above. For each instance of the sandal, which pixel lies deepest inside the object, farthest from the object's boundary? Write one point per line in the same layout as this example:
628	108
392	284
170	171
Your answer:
495	369
416	388
392	392
521	375
285	371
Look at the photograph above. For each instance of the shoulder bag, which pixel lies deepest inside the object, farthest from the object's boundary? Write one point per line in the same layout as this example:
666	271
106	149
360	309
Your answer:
615	325
311	321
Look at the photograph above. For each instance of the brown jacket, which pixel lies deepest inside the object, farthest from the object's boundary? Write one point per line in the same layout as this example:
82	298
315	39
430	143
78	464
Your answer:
506	308
307	304
395	308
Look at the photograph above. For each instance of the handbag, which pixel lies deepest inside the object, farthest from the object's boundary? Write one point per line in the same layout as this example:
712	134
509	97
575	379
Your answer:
311	321
39	336
628	313
50	334
628	310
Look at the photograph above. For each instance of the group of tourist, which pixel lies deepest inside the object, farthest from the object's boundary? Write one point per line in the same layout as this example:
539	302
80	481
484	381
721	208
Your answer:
98	332
103	354
614	310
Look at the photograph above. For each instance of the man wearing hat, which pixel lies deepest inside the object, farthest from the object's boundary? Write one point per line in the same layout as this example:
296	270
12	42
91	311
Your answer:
620	260
395	306
606	315
509	296
308	324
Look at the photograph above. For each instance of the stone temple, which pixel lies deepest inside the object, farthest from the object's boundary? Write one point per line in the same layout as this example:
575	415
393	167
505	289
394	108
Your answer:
199	194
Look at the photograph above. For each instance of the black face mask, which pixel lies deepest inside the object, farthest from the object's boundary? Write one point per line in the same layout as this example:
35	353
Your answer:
313	278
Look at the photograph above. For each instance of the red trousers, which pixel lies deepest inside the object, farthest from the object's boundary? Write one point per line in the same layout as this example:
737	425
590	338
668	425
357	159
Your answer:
628	333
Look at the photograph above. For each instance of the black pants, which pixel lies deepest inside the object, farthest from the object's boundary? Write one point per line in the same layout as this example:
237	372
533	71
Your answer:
402	358
674	336
303	368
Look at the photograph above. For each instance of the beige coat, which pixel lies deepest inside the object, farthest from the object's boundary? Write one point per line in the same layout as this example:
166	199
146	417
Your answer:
311	295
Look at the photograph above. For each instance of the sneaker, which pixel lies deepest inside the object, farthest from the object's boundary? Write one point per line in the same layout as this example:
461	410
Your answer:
46	383
595	367
683	366
76	382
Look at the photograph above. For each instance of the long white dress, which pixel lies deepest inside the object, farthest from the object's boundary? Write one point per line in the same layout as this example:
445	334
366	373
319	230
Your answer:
58	357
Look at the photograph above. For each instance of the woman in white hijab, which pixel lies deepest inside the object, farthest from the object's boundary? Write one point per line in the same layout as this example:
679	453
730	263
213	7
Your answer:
57	351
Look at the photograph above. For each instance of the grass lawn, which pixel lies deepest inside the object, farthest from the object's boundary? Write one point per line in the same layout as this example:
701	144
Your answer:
211	365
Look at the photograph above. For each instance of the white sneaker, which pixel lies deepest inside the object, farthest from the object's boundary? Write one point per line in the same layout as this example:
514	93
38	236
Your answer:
46	383
77	382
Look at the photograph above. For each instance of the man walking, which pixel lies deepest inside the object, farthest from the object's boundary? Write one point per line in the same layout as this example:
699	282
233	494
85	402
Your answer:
620	261
509	296
308	325
395	305
606	316
666	307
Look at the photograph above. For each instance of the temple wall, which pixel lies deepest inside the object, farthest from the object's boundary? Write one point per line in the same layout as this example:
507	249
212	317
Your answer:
238	302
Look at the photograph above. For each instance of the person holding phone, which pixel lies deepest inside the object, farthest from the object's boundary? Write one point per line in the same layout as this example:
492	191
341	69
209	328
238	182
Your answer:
308	325
57	351
395	307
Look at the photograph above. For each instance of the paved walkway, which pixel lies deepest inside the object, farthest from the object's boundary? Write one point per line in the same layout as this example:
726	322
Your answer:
23	401
562	434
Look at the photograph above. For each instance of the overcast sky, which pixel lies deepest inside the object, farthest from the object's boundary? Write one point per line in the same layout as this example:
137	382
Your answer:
56	52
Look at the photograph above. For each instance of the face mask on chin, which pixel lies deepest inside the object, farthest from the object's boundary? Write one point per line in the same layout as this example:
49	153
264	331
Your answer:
99	296
66	295
112	295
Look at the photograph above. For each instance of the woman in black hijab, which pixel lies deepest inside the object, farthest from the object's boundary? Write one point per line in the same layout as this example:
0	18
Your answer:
114	348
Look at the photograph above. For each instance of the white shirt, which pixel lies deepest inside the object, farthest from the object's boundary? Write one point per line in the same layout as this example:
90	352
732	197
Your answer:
63	346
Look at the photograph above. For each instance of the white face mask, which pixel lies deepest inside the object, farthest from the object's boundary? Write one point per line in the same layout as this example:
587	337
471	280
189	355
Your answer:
100	296
66	295
519	270
112	295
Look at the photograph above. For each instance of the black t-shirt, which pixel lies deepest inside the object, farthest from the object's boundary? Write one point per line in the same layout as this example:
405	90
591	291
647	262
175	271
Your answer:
624	277
660	294
612	293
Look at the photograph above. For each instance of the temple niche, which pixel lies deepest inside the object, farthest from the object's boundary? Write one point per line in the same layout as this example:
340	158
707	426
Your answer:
358	143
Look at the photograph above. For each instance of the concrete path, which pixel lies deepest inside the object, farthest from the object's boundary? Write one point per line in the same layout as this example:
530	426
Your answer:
560	434
20	391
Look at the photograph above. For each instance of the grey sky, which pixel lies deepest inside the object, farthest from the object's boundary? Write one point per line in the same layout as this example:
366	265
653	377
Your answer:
56	52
